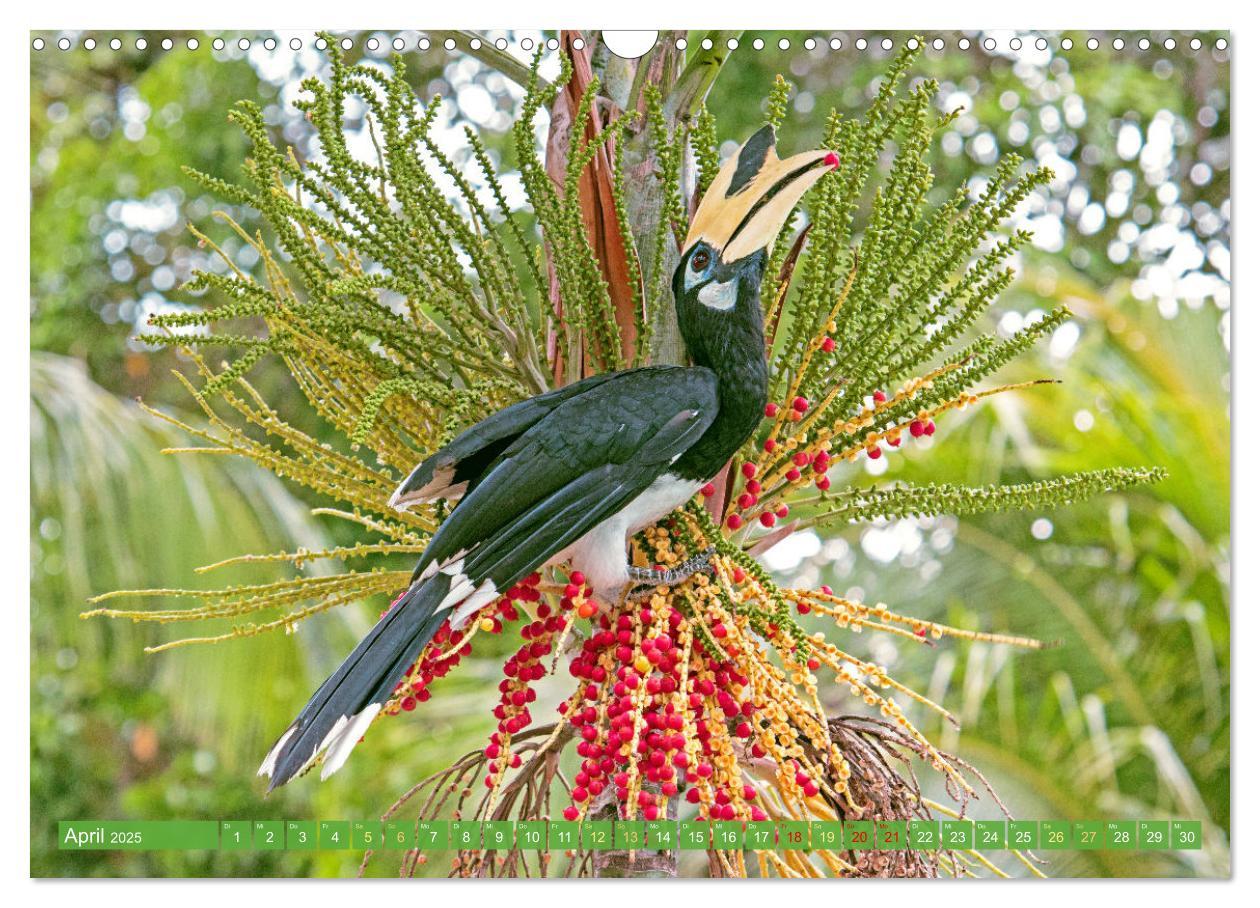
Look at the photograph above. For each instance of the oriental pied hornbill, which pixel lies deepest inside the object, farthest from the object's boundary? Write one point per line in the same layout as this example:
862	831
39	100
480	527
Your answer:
572	474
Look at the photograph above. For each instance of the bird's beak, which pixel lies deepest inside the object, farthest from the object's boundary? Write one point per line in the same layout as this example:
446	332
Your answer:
753	195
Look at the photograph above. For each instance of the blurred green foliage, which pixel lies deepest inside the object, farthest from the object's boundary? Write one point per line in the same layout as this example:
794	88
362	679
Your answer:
1128	717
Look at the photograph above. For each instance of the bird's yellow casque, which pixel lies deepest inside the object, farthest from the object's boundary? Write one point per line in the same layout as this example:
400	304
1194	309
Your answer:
752	196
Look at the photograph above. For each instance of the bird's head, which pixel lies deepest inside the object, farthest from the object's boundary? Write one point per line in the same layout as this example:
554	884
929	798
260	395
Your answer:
719	277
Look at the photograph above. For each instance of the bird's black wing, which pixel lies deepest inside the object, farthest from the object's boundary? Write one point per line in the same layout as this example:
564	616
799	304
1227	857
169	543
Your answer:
448	472
624	432
574	468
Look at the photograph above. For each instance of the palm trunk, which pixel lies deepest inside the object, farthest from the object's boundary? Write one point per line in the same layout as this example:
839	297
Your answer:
622	83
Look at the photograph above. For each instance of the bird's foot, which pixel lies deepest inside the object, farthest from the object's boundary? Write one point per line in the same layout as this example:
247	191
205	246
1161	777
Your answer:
650	579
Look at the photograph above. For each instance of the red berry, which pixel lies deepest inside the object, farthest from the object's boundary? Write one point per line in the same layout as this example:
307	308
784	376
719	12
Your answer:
823	483
753	486
930	429
734	521
708	490
749	470
916	428
879	397
781	511
570	813
793	474
577	578
828	345
746	501
874	453
767	519
769	446
800	404
772	410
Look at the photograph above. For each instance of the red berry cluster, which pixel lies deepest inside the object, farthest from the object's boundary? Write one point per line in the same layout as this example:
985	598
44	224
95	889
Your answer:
918	428
819	463
921	427
438	658
521	669
640	732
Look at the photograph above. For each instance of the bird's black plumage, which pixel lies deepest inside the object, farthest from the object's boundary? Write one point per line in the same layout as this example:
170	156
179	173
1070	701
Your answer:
572	473
634	422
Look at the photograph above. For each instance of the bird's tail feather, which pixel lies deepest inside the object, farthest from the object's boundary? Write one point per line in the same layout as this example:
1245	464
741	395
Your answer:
344	706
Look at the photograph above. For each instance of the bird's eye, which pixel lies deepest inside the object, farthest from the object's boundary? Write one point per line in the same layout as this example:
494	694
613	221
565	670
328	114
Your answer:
700	260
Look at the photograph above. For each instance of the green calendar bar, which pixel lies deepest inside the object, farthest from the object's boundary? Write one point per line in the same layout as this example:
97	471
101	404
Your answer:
1056	835
1121	835
793	835
300	835
497	835
365	834
826	835
465	834
924	835
137	835
694	835
334	835
234	835
661	835
562	834
433	835
269	835
728	836
958	834
629	835
1022	834
990	835
400	834
760	836
605	835
859	835
531	835
1187	835
1153	835
890	835
597	835
1088	835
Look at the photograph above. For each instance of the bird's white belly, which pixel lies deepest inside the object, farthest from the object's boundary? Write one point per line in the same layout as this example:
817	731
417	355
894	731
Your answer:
601	553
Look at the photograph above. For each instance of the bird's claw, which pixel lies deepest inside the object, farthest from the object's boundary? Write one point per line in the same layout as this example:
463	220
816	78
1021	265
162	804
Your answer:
650	579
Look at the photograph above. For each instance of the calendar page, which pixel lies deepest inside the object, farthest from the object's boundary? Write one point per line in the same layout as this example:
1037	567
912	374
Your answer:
630	454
